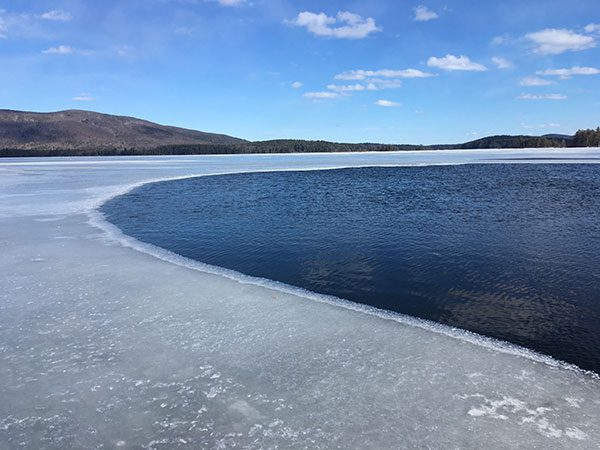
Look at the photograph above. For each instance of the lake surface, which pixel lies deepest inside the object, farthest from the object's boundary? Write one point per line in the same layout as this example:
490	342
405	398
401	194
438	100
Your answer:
510	251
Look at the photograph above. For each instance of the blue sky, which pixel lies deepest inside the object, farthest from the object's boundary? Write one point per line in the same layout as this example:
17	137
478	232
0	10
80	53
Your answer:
354	71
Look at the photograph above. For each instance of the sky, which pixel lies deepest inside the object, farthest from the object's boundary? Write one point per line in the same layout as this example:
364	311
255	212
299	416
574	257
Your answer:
391	71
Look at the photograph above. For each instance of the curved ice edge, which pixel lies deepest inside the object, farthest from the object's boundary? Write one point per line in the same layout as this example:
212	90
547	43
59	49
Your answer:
113	233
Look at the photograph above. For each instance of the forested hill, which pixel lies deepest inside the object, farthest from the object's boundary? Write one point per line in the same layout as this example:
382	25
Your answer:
519	142
85	133
77	131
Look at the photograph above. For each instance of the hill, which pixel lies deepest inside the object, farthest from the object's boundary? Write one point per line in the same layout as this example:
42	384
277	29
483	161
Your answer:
76	130
505	141
86	133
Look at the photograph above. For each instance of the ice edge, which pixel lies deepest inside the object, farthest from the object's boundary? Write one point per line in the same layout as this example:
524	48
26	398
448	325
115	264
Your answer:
113	233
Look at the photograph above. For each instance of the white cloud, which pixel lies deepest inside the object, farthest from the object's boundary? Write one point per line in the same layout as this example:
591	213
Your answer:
297	85
542	97
535	81
378	84
60	50
540	126
502	63
57	15
84	97
30	26
553	41
350	26
499	40
376	80
373	84
593	28
385	73
321	95
451	62
231	2
387	103
423	14
346	87
568	73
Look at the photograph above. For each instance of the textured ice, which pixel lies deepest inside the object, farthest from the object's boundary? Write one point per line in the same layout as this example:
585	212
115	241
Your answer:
109	343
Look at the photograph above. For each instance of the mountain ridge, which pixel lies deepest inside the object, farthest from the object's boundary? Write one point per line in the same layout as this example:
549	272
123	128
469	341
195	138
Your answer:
75	129
87	133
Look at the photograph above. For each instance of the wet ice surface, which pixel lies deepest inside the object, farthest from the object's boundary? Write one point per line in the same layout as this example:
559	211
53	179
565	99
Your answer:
103	346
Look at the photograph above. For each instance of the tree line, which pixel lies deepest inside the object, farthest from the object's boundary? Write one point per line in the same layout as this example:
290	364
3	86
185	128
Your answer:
583	138
587	138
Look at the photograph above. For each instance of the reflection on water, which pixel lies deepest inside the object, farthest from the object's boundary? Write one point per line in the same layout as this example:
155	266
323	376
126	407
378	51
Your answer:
510	251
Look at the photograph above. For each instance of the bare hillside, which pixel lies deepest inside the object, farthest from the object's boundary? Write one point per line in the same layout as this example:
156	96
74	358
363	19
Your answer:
75	129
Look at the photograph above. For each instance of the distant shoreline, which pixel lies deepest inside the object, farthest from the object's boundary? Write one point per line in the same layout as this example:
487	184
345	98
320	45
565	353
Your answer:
285	147
96	154
88	133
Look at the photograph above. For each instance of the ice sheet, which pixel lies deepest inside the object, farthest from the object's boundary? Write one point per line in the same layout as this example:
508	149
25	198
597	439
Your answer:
107	342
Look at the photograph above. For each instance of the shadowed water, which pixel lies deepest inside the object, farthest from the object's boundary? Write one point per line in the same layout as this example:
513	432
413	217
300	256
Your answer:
509	251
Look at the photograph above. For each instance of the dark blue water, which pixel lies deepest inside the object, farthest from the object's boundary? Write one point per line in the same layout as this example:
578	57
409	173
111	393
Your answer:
509	251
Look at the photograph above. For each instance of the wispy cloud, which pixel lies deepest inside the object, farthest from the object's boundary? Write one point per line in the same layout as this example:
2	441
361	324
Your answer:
220	2
384	73
19	25
387	103
184	31
345	25
501	39
231	2
553	41
321	95
535	81
569	73
29	25
379	84
3	27
123	50
346	87
57	15
451	62
296	85
59	50
502	63
84	97
372	84
375	80
424	14
540	126
593	28
542	97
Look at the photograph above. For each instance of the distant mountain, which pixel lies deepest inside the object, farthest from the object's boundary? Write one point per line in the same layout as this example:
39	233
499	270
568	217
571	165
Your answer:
85	133
566	137
77	130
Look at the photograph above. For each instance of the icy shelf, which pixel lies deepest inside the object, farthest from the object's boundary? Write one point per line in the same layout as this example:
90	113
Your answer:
106	342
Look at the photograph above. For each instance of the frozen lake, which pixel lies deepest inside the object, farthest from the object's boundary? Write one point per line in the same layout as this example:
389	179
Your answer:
107	342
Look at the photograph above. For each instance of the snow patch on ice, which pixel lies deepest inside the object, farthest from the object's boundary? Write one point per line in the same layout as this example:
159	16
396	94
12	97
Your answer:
249	412
509	407
574	402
